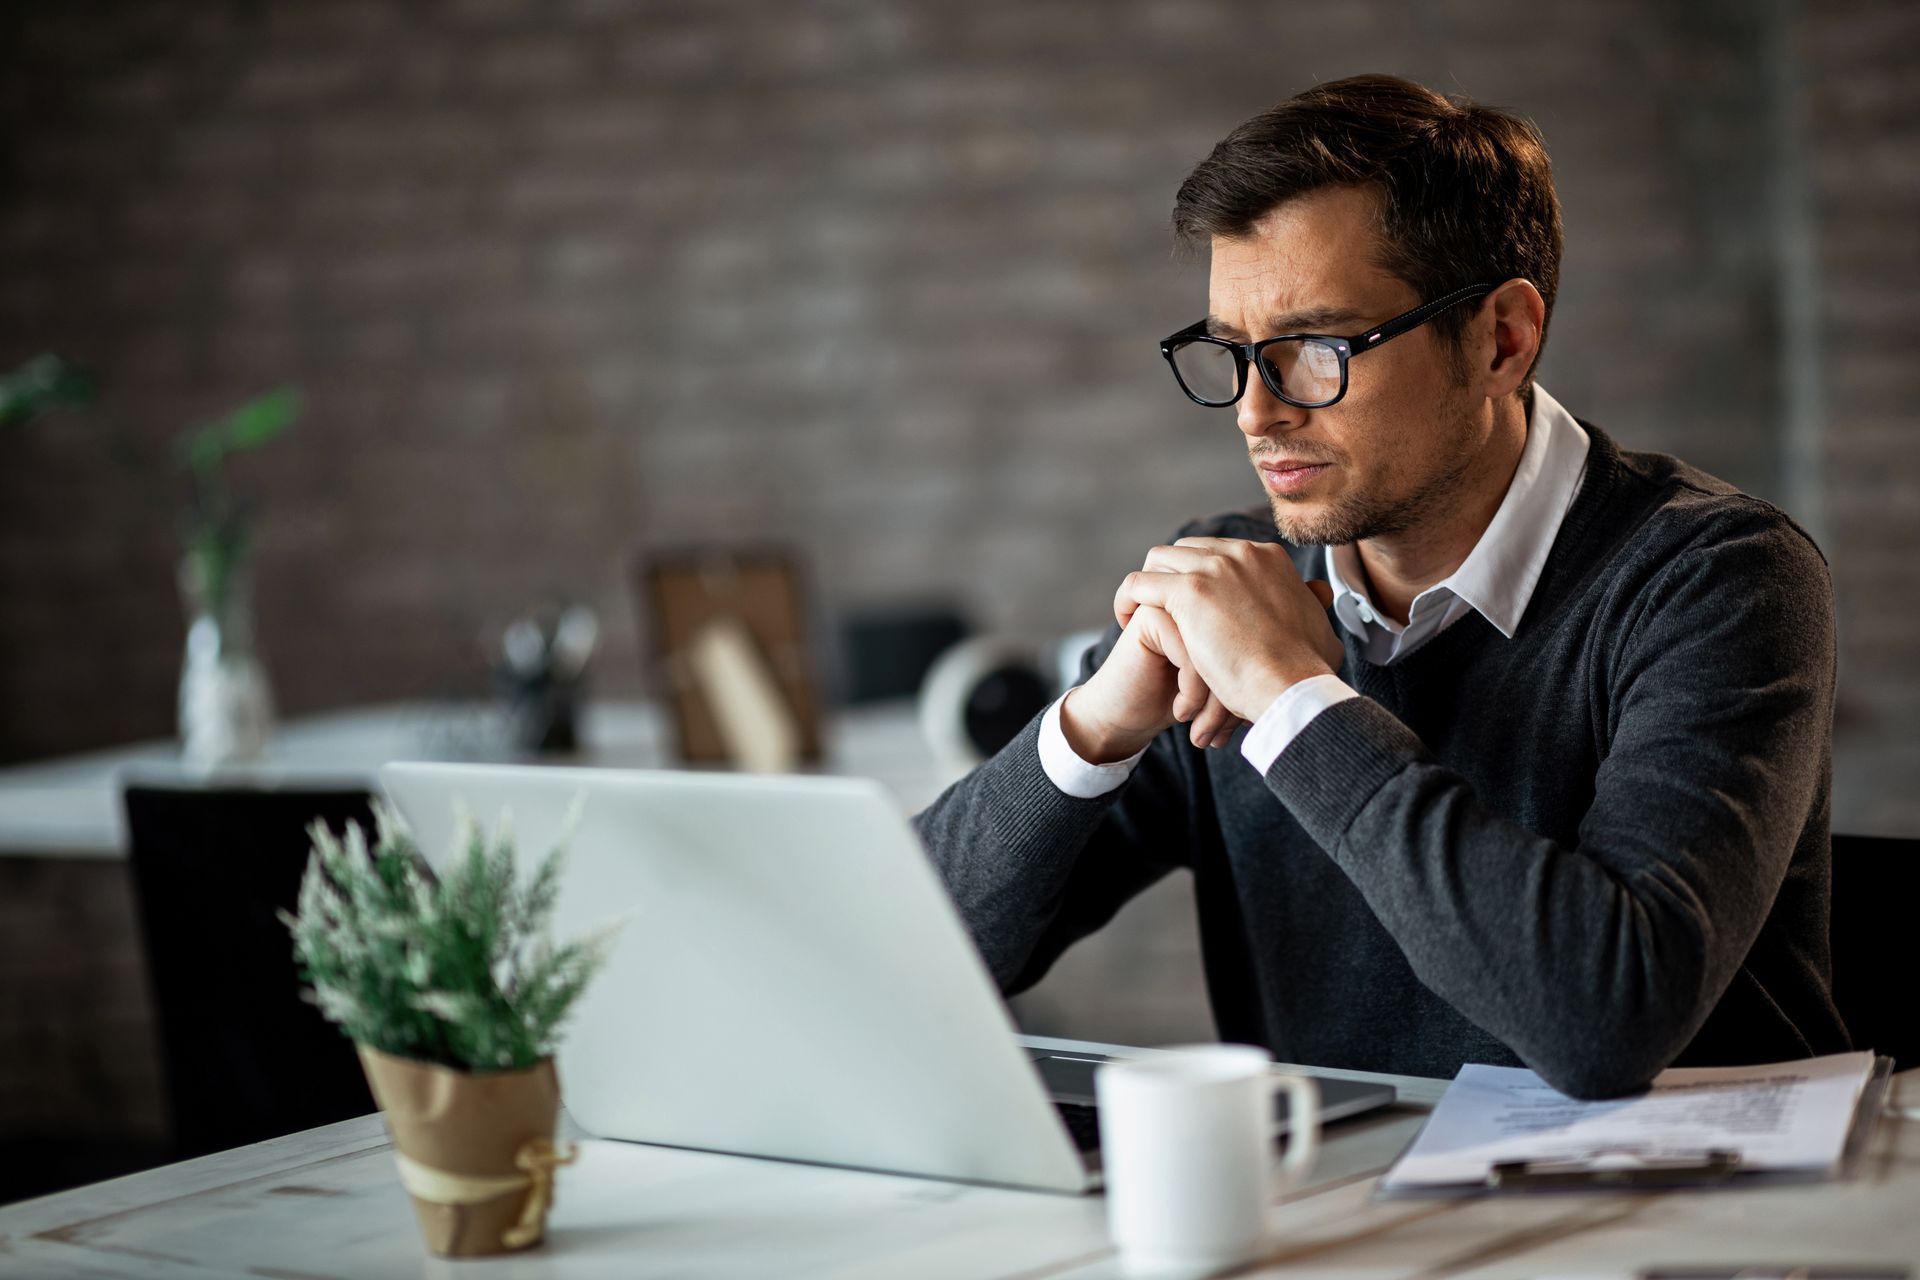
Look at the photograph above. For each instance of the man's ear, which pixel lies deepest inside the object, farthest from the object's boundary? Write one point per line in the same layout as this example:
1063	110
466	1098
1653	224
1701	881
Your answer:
1514	316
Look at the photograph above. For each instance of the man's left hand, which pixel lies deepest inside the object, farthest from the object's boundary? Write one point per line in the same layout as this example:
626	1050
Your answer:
1251	627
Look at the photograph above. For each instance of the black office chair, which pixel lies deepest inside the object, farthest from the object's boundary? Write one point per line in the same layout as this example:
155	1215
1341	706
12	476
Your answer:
245	1057
1876	882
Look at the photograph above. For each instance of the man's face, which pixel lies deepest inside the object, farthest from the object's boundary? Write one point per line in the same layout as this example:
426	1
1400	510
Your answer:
1390	453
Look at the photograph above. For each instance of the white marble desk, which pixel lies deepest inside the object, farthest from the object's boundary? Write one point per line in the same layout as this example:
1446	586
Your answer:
326	1203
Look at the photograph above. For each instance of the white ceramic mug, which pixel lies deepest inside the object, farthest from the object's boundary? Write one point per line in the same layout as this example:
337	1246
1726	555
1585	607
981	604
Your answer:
1186	1143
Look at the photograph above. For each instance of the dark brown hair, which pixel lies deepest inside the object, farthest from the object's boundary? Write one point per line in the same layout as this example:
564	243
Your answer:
1465	191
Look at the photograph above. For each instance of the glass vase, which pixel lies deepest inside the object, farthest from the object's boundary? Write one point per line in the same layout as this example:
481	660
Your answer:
226	707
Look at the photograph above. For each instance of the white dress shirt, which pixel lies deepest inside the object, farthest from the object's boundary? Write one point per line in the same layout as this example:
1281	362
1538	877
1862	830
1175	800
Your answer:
1496	580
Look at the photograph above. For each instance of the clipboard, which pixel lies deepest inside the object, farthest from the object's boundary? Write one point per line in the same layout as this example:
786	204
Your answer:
1702	1169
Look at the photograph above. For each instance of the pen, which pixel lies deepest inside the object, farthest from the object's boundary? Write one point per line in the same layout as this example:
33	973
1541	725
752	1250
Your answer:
1637	1169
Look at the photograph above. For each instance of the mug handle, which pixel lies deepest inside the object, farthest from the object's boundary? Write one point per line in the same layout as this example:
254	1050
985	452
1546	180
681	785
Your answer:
1303	1122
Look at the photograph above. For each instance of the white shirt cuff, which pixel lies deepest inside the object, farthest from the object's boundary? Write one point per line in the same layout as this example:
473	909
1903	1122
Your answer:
1067	771
1287	715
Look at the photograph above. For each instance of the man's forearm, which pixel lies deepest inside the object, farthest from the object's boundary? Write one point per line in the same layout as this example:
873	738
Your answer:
1004	840
1597	965
1032	869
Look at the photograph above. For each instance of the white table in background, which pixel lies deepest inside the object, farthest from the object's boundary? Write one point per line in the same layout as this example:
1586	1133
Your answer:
327	1203
70	807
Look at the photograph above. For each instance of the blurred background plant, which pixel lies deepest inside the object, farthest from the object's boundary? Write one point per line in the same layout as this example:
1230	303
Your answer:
215	525
225	709
215	528
226	706
48	381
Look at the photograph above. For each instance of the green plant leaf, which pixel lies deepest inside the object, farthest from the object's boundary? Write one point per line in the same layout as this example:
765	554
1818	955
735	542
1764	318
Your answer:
205	448
455	970
47	381
255	423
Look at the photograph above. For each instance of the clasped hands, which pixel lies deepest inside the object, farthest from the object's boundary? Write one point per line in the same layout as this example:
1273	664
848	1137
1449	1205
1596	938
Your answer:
1212	631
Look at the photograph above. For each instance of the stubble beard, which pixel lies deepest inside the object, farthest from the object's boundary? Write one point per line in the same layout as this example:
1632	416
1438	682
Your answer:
1353	517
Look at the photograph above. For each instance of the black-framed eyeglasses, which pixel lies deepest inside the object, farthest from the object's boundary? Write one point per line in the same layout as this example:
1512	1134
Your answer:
1307	370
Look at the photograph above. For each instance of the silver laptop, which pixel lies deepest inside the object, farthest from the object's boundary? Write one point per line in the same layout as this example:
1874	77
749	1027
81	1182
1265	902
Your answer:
793	981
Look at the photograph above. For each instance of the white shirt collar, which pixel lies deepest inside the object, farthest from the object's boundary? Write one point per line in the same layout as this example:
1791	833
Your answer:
1498	576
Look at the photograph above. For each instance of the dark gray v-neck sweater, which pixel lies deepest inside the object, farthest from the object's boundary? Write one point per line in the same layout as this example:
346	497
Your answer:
1596	849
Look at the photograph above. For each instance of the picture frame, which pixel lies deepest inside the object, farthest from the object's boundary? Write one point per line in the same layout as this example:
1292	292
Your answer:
757	592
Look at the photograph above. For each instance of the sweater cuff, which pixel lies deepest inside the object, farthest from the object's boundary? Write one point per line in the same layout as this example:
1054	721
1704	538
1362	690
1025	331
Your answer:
1296	707
1031	816
1328	774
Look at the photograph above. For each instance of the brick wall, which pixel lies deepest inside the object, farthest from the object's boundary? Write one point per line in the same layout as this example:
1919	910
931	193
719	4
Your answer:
1862	103
564	281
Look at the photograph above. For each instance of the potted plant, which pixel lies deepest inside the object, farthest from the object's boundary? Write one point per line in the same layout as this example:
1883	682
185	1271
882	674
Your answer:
454	997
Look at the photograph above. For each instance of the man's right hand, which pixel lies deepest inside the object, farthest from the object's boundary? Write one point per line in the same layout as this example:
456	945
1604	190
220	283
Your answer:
1145	685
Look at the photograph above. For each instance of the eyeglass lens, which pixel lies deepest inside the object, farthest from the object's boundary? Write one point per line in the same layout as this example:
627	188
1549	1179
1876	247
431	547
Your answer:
1208	371
1306	369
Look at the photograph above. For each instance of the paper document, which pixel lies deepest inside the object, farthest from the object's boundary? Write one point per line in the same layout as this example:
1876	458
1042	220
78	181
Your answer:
1784	1116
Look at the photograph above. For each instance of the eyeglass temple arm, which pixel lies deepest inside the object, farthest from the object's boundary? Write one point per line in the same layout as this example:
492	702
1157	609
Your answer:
1418	316
1198	329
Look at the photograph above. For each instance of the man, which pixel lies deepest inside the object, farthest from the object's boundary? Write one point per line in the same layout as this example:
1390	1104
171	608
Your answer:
1495	742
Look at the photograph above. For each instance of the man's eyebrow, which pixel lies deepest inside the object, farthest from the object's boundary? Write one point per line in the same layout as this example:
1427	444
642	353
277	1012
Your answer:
1338	320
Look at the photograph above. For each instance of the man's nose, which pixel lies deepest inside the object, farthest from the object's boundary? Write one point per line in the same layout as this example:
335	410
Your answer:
1261	413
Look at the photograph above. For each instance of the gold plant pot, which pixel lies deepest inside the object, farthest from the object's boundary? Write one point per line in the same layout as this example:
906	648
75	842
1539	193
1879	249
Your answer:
475	1150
